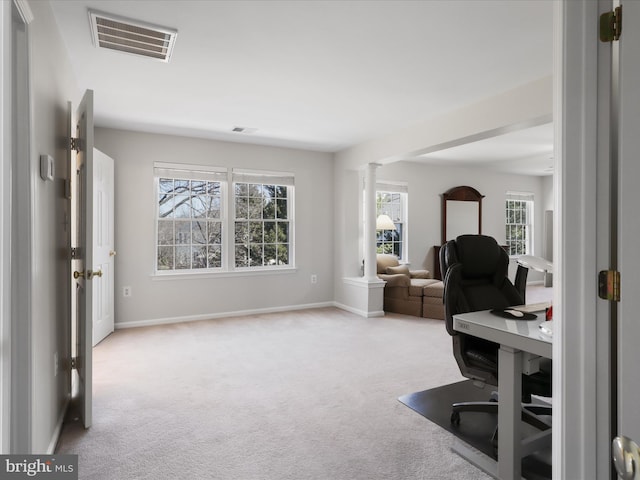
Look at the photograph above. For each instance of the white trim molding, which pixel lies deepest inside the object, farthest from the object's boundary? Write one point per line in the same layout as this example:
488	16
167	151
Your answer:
5	225
213	316
25	11
575	382
21	228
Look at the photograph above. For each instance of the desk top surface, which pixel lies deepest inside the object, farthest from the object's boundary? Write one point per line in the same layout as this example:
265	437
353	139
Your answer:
522	335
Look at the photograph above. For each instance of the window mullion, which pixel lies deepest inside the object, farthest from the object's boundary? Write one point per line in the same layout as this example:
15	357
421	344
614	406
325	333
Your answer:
228	225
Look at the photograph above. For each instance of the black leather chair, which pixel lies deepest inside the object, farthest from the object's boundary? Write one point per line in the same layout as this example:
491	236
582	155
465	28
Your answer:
475	273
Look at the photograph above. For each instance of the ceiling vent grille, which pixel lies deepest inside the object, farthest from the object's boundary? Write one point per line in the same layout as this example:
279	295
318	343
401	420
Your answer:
132	36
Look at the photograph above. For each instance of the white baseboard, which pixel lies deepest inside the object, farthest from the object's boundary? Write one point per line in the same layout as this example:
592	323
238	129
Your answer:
211	316
56	431
357	311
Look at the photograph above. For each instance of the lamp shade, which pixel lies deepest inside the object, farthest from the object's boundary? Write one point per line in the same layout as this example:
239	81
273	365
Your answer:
383	222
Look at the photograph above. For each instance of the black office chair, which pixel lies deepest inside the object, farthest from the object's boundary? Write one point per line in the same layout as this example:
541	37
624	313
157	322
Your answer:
475	272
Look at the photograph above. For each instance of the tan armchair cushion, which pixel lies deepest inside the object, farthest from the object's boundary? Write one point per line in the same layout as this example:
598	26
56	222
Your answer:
396	280
403	269
419	273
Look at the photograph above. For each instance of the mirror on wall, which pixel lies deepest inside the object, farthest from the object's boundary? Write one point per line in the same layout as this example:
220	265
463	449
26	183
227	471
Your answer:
462	217
461	214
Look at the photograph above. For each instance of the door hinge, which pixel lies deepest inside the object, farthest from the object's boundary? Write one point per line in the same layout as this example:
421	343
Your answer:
74	144
611	25
74	363
609	285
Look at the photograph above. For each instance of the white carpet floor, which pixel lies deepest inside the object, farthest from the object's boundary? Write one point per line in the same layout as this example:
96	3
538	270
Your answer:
298	395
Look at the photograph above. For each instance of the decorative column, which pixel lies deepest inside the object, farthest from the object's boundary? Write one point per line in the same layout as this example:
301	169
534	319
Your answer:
364	295
370	270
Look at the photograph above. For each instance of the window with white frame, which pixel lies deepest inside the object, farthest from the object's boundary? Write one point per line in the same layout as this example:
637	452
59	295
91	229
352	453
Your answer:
263	219
194	233
391	200
190	217
519	223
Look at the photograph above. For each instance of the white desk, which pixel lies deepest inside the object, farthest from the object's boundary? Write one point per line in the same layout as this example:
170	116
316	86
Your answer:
514	337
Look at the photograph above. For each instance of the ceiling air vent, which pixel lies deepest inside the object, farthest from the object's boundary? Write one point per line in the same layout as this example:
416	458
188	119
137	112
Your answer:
132	36
244	129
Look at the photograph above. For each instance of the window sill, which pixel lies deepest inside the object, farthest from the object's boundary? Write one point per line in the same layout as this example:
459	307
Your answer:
222	274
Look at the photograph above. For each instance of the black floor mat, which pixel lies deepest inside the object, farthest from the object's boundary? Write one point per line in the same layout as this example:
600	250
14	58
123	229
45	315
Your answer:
475	429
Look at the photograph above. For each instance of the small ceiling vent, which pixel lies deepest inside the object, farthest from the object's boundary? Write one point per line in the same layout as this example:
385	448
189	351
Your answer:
132	36
244	129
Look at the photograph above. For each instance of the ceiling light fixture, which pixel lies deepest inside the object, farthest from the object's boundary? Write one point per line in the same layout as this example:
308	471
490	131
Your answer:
132	36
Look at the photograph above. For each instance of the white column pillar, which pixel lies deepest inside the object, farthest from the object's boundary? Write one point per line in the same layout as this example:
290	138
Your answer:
370	223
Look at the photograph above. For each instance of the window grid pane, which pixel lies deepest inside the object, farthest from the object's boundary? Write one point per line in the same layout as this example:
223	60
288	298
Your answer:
517	228
390	241
262	225
189	224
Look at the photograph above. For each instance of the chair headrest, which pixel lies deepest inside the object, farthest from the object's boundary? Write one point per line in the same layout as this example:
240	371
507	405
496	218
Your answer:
480	255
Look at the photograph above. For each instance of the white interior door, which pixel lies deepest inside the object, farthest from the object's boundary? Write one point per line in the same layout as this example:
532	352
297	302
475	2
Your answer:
82	264
103	245
629	224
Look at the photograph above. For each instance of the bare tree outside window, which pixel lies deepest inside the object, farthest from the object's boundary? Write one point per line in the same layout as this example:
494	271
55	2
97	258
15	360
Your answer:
189	224
262	224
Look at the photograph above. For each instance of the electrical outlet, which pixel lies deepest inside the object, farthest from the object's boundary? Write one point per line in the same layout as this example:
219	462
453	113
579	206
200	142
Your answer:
126	291
314	278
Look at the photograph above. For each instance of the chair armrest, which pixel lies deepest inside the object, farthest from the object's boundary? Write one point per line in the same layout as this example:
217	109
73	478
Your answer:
419	273
520	281
395	280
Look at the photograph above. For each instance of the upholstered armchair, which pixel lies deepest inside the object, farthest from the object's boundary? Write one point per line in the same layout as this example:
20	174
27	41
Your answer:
404	290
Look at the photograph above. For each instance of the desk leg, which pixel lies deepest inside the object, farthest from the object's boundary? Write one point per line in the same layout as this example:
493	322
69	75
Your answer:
509	415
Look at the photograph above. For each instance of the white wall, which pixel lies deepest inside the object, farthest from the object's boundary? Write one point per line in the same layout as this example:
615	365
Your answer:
547	193
53	85
164	299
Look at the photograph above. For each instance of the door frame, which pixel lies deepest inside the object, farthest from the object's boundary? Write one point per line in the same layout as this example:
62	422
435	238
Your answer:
5	226
582	151
16	202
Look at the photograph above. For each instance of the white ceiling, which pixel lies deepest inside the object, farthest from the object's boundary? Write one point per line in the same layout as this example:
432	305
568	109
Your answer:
321	75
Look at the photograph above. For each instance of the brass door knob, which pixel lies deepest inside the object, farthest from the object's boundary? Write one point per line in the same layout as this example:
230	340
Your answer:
96	273
112	253
77	274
